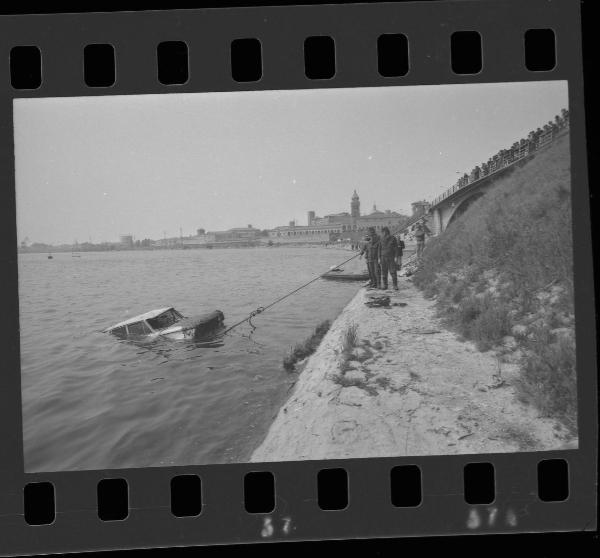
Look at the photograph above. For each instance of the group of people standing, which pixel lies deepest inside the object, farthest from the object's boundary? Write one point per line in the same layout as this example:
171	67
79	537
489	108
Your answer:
384	257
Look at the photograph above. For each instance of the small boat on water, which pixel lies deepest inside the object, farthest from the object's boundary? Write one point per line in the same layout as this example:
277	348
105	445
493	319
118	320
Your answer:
338	274
168	323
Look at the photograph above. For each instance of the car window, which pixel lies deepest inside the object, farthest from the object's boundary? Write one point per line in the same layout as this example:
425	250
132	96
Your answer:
120	332
174	316
138	328
164	320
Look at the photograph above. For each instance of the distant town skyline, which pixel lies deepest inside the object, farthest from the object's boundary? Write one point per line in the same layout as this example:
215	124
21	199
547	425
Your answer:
150	165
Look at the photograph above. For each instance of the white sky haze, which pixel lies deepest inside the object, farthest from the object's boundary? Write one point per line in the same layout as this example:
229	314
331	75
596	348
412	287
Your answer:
97	167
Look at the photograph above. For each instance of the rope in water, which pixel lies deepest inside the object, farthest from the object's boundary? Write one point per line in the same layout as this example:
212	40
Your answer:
261	309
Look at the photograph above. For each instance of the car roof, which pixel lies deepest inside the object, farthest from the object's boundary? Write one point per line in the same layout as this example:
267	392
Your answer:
146	316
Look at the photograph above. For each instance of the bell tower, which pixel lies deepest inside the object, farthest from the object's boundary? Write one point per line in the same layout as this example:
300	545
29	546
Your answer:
355	206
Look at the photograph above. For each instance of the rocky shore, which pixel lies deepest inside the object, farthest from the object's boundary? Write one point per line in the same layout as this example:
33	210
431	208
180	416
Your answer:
405	386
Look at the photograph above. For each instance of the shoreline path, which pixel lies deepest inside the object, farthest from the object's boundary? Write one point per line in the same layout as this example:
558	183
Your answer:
412	388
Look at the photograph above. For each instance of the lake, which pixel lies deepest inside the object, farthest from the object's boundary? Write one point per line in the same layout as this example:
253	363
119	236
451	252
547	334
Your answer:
91	401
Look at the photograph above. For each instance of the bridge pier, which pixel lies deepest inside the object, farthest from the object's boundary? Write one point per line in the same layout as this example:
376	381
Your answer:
436	225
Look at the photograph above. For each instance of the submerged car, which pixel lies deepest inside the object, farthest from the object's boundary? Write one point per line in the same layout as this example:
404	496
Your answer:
168	323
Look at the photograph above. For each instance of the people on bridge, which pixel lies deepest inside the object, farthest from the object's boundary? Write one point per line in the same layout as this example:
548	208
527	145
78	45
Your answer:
388	258
371	252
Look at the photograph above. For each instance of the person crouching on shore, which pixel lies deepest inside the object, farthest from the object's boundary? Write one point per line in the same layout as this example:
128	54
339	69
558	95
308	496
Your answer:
388	258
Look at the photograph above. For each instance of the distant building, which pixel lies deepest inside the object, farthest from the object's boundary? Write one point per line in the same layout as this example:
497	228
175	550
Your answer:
420	207
355	206
345	226
126	241
239	236
201	240
298	234
172	242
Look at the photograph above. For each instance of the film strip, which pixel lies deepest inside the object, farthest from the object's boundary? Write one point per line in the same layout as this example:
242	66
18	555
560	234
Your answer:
266	49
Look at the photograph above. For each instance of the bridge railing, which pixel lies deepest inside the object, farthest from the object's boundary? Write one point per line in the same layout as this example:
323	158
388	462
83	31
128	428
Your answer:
536	140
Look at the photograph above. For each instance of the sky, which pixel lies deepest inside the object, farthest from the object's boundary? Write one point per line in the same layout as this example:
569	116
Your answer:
94	168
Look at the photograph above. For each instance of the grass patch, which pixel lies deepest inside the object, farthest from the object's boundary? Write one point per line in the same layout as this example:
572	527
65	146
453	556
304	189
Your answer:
492	263
306	348
521	227
525	441
484	320
349	342
548	377
350	339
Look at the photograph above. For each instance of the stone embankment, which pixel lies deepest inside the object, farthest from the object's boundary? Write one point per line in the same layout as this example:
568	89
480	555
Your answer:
408	387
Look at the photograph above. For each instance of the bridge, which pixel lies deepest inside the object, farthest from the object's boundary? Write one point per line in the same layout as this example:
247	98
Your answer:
457	199
448	206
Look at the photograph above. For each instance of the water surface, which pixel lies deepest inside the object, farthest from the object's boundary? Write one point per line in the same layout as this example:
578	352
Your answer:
91	401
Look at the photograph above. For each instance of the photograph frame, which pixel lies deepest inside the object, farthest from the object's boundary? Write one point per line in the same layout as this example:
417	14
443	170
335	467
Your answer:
297	516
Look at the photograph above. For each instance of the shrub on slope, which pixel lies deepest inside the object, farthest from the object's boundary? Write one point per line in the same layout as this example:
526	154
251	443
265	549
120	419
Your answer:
503	272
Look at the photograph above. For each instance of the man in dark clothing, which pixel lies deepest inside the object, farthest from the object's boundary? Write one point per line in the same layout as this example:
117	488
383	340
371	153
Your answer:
371	252
401	247
388	258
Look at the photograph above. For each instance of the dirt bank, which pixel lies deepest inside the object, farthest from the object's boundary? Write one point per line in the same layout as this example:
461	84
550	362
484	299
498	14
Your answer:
410	388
